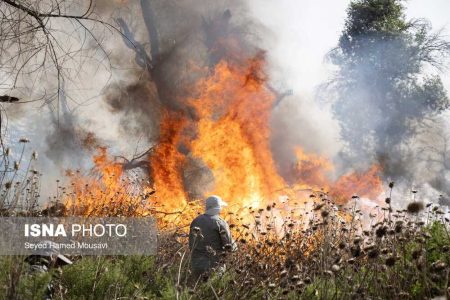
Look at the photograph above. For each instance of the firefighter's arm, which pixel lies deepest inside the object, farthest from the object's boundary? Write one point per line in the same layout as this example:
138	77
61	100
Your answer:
225	235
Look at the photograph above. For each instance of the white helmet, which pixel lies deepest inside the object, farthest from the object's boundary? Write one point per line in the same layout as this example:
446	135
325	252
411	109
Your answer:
214	205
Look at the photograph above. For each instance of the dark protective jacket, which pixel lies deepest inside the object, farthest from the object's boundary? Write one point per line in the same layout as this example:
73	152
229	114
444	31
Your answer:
207	238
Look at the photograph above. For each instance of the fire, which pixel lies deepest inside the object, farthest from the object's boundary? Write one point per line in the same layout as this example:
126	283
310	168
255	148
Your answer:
233	135
225	126
366	184
311	169
167	162
232	109
104	193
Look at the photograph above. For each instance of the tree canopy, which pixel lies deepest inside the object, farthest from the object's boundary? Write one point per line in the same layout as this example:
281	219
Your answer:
386	81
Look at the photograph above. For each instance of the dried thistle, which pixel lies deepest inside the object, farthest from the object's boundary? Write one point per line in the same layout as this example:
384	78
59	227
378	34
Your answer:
373	253
319	206
390	261
415	207
438	266
381	231
335	268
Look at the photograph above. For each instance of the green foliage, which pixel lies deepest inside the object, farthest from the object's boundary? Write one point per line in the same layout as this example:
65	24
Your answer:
109	278
267	271
18	281
438	245
381	86
34	285
138	277
365	16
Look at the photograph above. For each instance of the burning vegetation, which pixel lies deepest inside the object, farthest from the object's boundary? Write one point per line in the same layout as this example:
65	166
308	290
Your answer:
218	144
313	230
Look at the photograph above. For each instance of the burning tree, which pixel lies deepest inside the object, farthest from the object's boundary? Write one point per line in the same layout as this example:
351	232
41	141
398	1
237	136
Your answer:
213	107
211	103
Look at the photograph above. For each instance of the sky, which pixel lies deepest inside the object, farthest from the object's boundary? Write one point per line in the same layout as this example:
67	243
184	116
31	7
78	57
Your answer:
303	31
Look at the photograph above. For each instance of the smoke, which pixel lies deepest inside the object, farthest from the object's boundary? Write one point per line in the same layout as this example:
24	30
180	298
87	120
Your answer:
66	130
116	96
297	51
169	45
390	114
298	121
429	157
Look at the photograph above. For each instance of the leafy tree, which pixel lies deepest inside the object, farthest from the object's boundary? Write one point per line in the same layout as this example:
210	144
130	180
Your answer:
383	84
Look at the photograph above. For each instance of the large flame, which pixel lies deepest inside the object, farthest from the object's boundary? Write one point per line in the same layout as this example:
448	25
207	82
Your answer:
167	162
226	126
233	107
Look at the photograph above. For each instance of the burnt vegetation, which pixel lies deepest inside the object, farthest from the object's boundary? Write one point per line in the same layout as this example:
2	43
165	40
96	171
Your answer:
318	251
307	247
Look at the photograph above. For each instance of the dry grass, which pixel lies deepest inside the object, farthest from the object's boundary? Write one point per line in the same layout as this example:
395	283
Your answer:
306	252
392	255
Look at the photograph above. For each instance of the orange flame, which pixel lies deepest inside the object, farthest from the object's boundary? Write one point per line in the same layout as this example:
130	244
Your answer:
366	184
311	169
227	128
234	142
106	193
167	162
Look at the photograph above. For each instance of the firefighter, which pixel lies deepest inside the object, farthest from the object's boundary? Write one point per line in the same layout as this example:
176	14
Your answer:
209	238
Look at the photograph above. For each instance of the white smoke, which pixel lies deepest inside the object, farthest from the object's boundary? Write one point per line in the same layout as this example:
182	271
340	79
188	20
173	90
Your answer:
297	35
300	34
